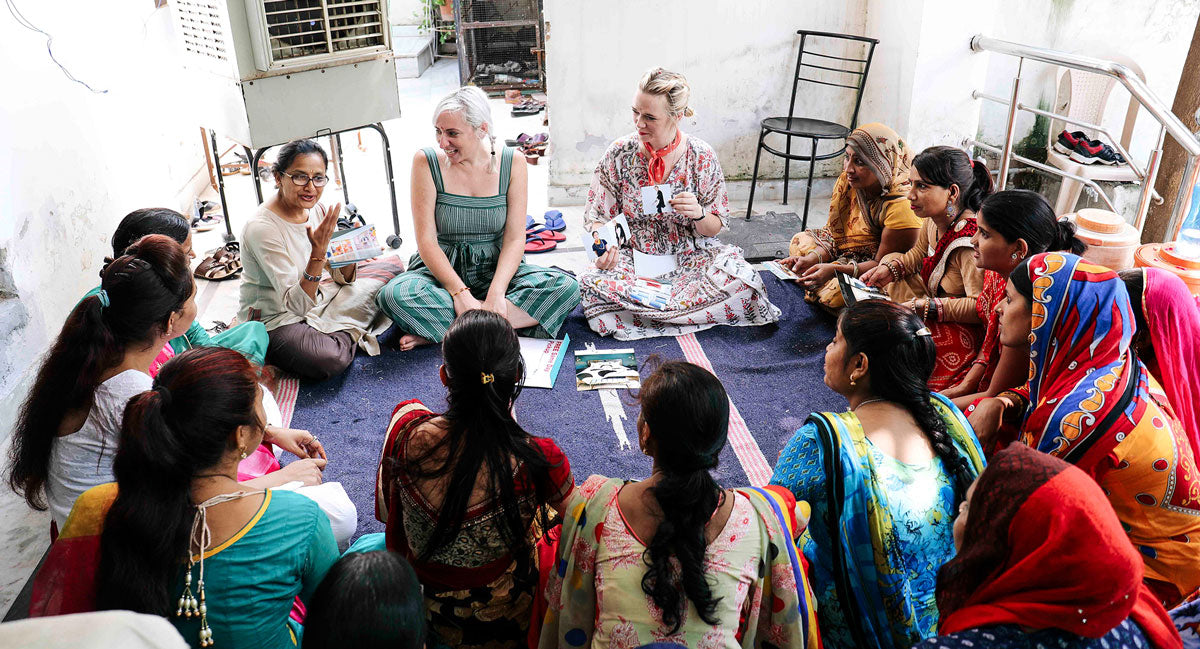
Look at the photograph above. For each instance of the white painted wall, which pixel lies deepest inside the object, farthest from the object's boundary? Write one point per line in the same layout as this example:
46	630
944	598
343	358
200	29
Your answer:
738	56
78	161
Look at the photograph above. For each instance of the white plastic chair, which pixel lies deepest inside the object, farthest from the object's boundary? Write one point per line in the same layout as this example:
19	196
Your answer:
1084	96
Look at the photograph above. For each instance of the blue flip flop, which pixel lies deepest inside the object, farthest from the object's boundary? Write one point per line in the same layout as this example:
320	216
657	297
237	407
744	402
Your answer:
555	221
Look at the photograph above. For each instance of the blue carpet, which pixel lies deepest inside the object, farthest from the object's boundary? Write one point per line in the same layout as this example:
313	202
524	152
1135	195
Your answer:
773	375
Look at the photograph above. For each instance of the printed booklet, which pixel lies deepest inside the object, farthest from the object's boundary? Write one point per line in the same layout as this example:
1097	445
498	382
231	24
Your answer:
352	246
606	369
543	358
854	290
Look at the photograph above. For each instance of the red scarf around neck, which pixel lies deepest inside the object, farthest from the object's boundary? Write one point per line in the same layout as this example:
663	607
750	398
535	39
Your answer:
658	166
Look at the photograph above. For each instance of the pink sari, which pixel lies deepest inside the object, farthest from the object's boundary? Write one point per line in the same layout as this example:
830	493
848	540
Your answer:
1173	316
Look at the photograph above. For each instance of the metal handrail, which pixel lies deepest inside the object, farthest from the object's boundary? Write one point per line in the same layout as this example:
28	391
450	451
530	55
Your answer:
1048	169
1170	123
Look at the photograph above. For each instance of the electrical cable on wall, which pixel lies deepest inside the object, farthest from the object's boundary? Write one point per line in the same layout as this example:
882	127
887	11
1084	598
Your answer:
24	22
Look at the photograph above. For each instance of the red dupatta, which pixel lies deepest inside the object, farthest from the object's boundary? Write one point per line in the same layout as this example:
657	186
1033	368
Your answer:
933	267
1174	321
1022	562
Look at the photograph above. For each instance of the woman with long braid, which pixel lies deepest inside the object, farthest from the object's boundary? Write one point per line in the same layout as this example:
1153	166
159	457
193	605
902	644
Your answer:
883	479
675	558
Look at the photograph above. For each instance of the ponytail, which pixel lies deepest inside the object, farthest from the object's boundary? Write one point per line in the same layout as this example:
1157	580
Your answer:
142	289
1065	239
946	166
900	362
186	425
686	410
484	374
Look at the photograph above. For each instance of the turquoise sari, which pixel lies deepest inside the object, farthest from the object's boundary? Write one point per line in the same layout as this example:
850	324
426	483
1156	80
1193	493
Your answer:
859	572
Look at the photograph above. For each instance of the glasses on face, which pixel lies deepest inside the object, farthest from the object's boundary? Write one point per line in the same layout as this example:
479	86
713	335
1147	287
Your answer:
301	180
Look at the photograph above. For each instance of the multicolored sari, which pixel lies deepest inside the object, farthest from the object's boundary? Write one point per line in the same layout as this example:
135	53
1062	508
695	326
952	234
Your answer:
1092	404
752	566
861	576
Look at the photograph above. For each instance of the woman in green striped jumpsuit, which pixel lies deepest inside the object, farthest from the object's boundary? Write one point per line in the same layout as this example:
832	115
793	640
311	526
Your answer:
469	208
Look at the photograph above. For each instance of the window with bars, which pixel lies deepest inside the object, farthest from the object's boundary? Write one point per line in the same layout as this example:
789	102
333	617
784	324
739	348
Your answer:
306	28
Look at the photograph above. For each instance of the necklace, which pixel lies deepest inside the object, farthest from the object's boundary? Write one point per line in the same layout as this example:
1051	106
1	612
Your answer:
865	403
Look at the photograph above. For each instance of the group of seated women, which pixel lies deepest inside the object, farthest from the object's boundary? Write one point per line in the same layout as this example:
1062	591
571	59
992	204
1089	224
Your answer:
1061	510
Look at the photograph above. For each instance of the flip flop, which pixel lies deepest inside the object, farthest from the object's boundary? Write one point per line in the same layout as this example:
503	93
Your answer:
536	244
206	222
543	233
555	221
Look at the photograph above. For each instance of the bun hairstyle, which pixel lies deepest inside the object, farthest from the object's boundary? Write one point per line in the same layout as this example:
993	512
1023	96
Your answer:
900	362
149	220
671	85
946	165
687	412
484	375
143	288
472	102
367	600
295	149
183	427
1023	214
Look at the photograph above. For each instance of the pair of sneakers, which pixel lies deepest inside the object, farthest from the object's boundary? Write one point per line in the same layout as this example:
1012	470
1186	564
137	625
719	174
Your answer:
1078	147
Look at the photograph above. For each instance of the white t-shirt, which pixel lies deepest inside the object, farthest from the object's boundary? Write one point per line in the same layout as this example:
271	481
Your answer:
83	459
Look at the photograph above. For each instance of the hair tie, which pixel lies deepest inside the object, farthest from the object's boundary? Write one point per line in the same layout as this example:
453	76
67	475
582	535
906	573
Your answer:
104	301
972	164
924	331
164	394
486	378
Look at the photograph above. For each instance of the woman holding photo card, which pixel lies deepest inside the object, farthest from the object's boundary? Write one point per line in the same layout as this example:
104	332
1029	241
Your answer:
712	283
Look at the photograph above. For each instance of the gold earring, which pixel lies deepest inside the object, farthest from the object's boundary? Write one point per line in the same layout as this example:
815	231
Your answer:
853	383
243	451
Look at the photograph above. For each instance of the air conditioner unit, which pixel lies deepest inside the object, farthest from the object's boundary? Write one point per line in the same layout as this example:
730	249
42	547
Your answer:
269	71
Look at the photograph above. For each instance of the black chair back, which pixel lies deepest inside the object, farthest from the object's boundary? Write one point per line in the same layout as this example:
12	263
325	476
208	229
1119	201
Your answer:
856	79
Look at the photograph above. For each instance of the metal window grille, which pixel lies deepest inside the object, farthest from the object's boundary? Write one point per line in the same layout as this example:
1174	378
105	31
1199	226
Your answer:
501	44
305	28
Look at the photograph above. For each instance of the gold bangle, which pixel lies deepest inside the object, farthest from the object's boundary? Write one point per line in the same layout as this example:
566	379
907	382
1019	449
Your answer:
455	294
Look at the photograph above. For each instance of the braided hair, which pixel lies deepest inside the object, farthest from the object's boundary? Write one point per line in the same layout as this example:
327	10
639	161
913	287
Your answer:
900	361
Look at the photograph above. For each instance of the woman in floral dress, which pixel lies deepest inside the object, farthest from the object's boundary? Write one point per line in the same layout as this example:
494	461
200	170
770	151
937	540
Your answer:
712	283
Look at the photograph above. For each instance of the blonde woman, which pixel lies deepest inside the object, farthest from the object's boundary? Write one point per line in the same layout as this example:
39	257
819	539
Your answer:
468	205
712	283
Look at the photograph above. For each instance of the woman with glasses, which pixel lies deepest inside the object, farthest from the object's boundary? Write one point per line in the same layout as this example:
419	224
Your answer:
283	257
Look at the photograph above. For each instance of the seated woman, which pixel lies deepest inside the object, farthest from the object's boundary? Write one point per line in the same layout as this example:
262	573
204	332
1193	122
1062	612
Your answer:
712	283
469	215
883	480
368	600
675	558
249	338
1021	578
1090	401
948	189
1012	225
1168	319
869	216
313	327
250	553
465	494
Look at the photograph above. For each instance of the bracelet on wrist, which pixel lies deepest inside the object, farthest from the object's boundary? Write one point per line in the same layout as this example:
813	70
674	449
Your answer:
310	277
320	259
455	294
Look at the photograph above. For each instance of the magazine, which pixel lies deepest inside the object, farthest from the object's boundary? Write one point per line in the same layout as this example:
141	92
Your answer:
779	270
543	358
606	369
352	246
854	290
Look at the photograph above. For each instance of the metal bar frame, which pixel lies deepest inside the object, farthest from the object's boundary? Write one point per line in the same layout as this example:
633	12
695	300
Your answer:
1046	168
1160	111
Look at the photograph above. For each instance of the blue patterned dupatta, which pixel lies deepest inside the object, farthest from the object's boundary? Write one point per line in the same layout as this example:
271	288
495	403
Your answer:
867	570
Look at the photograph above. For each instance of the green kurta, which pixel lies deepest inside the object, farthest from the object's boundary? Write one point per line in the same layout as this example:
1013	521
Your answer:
470	231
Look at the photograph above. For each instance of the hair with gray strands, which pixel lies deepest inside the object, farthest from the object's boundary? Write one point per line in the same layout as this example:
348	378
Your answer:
473	104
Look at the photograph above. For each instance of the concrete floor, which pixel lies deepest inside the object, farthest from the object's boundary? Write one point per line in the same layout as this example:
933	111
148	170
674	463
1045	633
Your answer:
24	533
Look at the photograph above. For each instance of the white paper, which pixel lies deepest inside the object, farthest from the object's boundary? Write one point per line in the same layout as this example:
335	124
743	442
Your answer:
777	269
614	233
653	265
656	199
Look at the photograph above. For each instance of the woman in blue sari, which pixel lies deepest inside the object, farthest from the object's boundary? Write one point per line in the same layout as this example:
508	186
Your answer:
883	480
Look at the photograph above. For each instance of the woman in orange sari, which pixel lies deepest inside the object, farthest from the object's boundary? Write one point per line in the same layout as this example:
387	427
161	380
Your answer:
1091	402
938	277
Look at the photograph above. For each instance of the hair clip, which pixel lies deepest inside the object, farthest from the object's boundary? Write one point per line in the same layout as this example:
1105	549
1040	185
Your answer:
924	331
486	378
103	296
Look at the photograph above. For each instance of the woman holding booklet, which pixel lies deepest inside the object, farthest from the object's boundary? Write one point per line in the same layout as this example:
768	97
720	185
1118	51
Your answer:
711	283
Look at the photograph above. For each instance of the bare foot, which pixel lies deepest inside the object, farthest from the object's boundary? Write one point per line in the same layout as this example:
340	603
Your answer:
410	341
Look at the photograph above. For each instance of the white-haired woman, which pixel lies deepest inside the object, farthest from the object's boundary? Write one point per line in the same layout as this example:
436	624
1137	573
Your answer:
712	283
468	207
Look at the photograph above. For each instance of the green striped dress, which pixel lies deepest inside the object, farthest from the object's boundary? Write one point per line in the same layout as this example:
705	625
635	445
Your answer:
470	231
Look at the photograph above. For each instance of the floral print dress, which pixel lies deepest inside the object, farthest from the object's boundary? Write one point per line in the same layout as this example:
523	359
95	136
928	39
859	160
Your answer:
713	283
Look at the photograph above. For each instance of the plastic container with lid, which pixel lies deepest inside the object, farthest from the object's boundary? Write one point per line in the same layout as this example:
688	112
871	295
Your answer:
1169	257
1111	240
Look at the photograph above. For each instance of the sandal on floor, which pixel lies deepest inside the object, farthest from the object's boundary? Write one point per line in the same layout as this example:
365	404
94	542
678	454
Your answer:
206	222
536	244
552	235
555	221
221	263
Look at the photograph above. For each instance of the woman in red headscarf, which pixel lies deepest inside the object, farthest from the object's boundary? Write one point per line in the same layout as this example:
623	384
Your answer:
1043	562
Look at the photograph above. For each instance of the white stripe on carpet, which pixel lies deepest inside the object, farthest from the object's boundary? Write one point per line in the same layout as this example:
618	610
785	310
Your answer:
754	463
287	392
